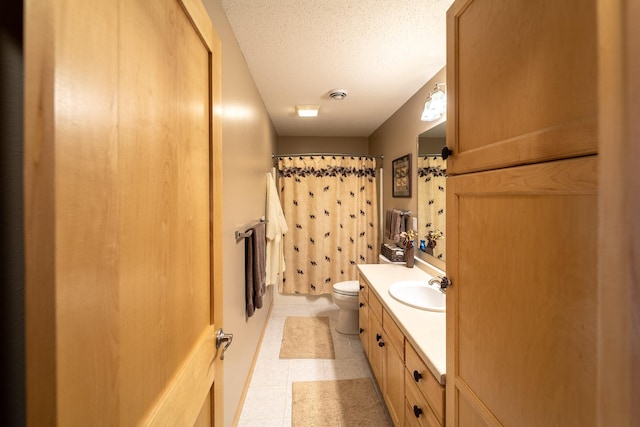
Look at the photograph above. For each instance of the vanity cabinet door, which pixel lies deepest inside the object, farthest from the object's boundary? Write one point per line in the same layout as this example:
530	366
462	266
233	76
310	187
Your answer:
393	383
521	310
376	350
386	361
521	82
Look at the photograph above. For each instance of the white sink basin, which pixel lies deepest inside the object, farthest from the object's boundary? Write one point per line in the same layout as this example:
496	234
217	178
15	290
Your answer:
419	294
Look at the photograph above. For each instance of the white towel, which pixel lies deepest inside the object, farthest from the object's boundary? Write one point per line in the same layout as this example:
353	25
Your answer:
276	228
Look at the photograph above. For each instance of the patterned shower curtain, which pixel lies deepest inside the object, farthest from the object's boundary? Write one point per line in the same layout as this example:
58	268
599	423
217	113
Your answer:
432	173
331	207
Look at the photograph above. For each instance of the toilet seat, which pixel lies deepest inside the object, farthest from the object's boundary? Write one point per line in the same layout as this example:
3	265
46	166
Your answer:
349	288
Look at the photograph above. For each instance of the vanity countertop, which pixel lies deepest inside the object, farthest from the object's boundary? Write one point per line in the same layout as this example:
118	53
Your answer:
425	330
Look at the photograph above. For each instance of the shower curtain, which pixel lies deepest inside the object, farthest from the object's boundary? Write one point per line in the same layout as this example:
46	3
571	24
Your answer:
432	173
331	207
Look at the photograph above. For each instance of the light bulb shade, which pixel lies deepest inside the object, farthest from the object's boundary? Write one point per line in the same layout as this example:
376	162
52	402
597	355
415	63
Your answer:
435	106
430	115
438	102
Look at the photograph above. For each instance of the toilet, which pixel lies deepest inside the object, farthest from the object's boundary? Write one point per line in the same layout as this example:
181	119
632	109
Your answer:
345	296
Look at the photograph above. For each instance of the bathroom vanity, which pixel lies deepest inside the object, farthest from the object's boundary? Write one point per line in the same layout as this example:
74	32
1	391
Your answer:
406	346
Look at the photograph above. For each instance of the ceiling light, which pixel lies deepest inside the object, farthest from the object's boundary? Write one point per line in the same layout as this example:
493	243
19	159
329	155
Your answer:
436	104
307	110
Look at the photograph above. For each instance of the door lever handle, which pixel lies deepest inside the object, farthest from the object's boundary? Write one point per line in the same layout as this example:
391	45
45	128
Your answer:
220	338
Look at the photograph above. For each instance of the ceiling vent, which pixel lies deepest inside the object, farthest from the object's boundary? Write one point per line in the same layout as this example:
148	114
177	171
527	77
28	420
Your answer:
338	94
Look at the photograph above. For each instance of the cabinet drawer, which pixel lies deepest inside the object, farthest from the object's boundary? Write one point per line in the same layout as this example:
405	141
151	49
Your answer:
393	332
364	289
363	322
430	388
375	306
417	413
363	304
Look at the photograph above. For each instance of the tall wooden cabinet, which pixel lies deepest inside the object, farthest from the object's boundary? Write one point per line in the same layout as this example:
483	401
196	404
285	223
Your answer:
521	82
522	213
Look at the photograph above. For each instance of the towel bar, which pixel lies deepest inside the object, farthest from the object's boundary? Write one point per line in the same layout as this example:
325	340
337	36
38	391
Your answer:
245	234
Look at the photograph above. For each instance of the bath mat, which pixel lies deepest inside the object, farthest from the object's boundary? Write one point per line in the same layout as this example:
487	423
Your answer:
349	403
307	338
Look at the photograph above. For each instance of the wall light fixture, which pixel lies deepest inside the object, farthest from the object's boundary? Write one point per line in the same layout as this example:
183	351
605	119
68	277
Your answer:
436	104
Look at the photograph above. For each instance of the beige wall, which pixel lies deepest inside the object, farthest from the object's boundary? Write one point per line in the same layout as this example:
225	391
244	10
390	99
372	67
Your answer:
248	140
398	136
318	144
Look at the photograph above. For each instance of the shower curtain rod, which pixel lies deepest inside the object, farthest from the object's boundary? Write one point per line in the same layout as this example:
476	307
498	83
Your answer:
273	156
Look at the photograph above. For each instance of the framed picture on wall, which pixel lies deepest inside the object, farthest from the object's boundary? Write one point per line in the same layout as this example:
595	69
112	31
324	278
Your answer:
401	176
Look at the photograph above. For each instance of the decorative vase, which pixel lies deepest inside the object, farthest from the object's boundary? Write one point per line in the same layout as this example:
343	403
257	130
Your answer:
408	256
430	246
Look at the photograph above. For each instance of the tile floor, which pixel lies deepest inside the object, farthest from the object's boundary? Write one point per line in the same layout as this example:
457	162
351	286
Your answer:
268	400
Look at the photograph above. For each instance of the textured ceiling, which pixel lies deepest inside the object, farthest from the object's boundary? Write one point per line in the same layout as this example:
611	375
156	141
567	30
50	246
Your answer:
380	51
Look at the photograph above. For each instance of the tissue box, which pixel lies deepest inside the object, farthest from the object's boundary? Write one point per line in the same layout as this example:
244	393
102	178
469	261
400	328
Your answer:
392	252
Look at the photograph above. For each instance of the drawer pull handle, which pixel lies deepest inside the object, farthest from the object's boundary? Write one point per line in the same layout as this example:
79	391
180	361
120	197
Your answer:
417	411
378	337
361	330
417	376
361	304
361	287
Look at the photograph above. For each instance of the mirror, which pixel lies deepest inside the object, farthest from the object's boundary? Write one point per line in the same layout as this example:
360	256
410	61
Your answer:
431	176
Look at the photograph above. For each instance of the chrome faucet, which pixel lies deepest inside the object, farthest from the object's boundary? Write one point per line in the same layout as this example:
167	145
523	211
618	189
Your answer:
443	282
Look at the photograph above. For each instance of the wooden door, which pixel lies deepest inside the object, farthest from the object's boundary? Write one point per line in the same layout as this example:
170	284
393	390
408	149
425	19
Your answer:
122	168
521	82
521	311
619	205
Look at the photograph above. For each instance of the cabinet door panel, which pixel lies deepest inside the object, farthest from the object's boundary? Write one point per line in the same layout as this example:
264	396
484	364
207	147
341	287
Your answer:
375	351
393	388
521	314
521	82
468	417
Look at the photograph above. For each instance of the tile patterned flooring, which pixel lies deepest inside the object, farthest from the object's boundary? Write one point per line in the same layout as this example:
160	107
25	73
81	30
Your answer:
268	400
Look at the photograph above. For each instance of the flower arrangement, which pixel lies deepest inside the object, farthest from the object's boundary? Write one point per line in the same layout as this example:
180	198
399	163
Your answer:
407	238
432	236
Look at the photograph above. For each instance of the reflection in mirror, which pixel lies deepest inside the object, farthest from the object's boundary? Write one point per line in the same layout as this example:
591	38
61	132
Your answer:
431	176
